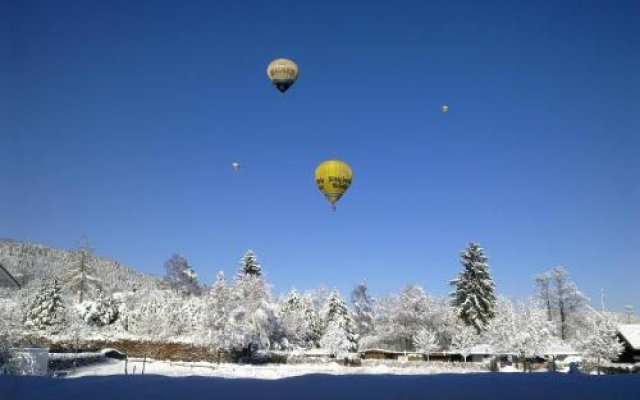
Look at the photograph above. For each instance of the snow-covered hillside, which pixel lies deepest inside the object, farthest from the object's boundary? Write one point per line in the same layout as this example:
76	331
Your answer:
30	263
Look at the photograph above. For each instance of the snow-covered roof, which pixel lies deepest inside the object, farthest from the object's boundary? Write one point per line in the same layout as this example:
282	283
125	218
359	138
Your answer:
474	350
382	351
631	333
560	349
481	349
317	352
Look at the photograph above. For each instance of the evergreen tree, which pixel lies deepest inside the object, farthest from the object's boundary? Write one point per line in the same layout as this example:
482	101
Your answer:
249	264
294	319
362	309
292	302
336	316
253	316
312	321
216	320
474	299
337	340
47	309
180	275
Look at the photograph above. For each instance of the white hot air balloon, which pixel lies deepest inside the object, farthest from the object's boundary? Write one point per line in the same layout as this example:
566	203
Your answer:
282	73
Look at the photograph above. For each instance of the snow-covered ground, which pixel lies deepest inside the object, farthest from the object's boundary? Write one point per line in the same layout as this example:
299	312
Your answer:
327	387
269	371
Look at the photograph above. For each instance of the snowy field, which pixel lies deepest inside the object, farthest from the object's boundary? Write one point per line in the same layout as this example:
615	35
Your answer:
327	387
269	371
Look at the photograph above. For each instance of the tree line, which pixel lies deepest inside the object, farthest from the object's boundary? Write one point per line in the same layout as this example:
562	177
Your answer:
242	313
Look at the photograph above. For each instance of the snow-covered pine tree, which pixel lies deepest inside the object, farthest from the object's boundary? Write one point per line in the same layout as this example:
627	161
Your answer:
425	341
292	302
46	311
253	318
180	275
601	342
312	321
79	273
336	316
294	320
249	264
474	299
362	309
216	325
336	340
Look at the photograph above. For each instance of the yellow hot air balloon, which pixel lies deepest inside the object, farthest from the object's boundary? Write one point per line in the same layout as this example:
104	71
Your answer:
444	108
333	178
283	73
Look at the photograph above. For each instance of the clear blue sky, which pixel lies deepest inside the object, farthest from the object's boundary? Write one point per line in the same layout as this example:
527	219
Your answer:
119	119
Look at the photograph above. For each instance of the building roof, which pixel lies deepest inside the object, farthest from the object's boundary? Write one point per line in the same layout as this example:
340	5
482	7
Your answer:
630	333
478	349
317	352
382	351
481	349
560	349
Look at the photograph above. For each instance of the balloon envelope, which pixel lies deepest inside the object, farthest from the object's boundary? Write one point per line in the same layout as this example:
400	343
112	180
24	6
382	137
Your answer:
283	73
333	178
235	165
444	108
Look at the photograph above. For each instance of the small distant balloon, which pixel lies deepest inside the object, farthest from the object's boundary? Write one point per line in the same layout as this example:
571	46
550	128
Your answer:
283	73
235	166
444	108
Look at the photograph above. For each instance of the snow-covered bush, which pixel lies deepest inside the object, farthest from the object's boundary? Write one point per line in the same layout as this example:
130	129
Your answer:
520	328
425	341
600	343
100	312
464	339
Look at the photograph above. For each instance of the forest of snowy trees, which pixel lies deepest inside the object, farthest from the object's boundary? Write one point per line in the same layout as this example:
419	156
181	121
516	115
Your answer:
77	300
